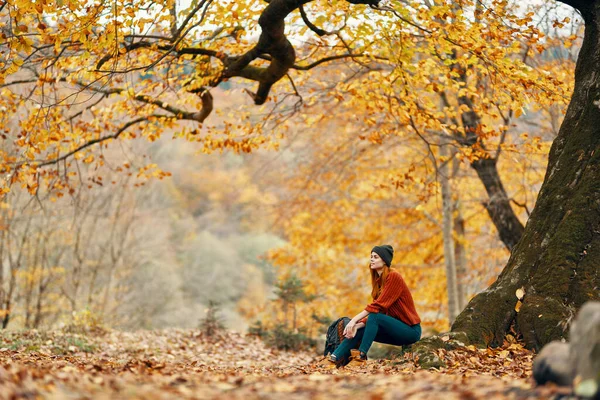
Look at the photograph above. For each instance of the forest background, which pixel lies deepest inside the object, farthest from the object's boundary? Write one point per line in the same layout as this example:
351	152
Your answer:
372	147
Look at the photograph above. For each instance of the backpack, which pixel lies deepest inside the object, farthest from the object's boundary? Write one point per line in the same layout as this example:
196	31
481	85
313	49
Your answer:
335	335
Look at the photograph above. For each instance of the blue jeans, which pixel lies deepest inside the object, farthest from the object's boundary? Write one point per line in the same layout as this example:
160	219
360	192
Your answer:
379	328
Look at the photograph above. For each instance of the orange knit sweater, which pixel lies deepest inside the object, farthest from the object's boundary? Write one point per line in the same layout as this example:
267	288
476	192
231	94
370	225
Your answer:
395	300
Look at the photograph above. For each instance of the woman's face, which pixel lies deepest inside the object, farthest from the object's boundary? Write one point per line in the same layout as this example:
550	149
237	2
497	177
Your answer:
376	262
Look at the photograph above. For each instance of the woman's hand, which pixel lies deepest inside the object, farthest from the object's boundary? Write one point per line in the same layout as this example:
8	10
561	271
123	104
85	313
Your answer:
353	326
350	330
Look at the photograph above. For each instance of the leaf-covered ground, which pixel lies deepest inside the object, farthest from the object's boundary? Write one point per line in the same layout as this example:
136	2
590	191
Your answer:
182	364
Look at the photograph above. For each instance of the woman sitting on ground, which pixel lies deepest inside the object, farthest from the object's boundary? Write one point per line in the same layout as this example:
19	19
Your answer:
391	318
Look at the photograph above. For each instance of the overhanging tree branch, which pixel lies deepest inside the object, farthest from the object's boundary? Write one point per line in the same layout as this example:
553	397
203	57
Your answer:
272	45
164	48
272	41
100	140
198	116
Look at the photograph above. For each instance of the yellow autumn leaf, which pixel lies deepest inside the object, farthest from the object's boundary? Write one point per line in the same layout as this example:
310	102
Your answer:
520	293
504	354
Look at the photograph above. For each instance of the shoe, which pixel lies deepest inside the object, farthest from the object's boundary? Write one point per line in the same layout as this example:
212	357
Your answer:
329	362
358	360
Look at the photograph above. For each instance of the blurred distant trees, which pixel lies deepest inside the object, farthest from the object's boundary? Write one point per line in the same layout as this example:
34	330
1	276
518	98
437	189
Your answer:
133	253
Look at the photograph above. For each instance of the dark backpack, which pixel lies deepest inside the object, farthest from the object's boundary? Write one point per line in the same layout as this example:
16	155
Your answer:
335	335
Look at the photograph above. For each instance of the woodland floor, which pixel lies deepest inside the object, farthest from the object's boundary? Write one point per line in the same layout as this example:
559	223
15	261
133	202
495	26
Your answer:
182	364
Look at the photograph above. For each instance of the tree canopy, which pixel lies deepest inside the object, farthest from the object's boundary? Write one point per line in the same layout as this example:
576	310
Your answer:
76	75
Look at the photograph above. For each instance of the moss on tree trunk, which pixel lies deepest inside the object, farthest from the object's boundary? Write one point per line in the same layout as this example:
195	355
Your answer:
557	260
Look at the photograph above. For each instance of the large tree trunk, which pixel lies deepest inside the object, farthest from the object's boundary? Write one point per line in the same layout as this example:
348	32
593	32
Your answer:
557	260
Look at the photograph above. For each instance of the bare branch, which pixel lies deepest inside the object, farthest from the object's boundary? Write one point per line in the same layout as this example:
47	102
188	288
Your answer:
18	82
188	18
522	205
166	48
331	58
310	25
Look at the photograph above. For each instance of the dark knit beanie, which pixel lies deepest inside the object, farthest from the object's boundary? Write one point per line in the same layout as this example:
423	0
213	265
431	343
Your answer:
386	252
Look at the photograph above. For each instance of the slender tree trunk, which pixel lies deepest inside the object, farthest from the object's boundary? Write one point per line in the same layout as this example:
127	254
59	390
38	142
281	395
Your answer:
14	264
295	318
8	301
93	279
41	292
460	257
3	296
37	319
107	288
460	253
447	207
498	206
32	272
510	229
557	260
44	270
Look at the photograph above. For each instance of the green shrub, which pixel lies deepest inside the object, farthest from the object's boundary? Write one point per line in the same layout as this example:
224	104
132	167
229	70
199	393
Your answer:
257	329
282	338
212	323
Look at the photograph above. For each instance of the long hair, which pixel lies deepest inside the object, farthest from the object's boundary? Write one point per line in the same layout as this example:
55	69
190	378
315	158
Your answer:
378	281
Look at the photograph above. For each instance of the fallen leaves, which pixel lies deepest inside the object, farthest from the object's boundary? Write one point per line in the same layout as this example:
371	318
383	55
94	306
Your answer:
184	364
511	361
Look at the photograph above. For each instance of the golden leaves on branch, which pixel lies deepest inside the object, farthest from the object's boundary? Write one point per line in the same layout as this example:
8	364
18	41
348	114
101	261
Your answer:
83	34
67	50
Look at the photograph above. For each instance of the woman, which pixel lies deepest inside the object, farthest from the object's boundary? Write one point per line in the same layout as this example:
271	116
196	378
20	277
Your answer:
391	318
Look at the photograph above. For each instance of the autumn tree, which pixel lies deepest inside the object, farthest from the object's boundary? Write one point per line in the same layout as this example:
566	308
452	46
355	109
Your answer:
374	180
555	264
